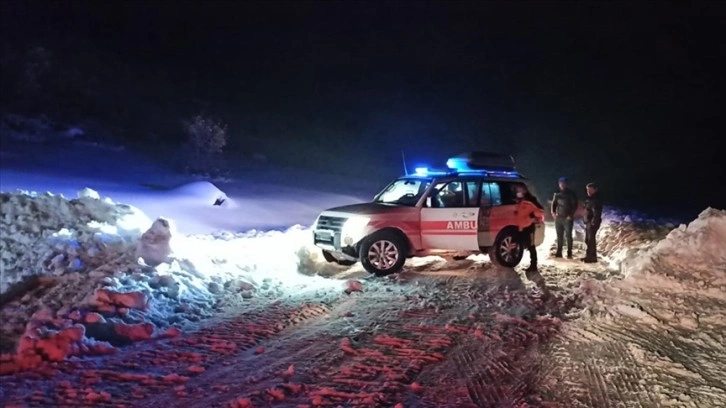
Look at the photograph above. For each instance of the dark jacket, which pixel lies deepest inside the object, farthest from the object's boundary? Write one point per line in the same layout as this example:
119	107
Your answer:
593	210
564	203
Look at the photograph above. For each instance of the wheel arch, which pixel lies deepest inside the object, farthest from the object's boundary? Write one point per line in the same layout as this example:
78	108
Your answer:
393	230
506	229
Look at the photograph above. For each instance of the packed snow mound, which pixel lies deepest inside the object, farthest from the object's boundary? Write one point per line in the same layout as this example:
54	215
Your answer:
101	274
689	264
698	246
203	191
624	232
46	234
615	214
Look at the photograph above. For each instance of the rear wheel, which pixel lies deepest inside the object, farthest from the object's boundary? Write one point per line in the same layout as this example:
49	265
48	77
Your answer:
507	250
383	253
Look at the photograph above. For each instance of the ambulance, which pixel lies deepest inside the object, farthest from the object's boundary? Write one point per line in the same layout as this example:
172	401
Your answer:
466	208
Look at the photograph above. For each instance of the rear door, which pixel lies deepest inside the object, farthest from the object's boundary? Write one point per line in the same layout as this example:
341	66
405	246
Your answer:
498	210
449	218
490	215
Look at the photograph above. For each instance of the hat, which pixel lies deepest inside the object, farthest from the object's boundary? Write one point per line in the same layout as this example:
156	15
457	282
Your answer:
592	185
563	180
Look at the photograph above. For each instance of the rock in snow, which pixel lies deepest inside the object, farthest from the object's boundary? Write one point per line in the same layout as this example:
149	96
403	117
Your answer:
154	247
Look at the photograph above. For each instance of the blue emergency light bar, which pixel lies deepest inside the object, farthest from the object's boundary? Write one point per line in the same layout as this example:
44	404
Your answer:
425	171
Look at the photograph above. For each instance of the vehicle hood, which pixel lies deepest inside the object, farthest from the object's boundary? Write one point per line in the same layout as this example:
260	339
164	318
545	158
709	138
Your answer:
368	209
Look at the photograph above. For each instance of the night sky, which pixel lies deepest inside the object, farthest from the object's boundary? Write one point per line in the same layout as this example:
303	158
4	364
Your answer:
629	95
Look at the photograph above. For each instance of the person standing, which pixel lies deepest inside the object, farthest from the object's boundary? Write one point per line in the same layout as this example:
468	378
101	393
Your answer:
564	206
528	212
592	219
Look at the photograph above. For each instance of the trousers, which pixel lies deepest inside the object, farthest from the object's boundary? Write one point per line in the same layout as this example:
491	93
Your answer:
591	241
563	226
526	237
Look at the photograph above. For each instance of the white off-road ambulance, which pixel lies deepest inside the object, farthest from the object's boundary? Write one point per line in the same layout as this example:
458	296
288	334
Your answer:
469	207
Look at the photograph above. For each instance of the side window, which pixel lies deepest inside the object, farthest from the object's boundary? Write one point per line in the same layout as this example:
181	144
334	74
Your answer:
509	192
472	193
490	194
448	195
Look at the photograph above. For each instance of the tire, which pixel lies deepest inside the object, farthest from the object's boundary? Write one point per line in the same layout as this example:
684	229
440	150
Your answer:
383	253
330	258
502	253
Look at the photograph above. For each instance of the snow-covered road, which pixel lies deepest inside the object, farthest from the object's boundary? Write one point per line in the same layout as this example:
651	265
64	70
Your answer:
419	339
462	334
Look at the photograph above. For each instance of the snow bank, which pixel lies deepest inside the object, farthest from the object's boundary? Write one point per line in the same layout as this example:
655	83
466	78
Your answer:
698	248
85	275
47	234
690	262
624	233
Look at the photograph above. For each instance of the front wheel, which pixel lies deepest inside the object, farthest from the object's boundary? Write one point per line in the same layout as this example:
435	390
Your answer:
383	253
507	250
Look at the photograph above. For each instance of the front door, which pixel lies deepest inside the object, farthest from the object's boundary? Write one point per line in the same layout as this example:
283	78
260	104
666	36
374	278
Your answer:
449	219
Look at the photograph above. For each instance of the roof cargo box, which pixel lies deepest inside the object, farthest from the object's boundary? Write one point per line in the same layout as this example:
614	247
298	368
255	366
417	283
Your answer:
482	161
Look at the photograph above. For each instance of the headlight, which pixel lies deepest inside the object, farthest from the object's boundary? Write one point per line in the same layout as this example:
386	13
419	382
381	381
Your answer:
353	229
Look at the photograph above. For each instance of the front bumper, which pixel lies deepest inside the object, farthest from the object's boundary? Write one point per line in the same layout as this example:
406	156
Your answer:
331	241
327	240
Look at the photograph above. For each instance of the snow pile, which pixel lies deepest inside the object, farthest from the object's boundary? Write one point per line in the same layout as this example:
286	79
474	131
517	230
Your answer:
666	316
47	234
689	264
94	281
623	234
203	192
699	249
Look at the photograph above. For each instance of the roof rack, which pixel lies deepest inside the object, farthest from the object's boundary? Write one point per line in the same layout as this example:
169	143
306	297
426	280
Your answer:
483	161
475	163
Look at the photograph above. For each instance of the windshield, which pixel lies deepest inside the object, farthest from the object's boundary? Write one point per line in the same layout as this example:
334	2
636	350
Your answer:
403	192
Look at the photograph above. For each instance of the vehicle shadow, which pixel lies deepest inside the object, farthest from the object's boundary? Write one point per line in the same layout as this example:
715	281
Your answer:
493	277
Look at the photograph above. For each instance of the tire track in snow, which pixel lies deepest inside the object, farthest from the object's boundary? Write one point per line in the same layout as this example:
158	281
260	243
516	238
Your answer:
373	351
633	365
496	360
130	377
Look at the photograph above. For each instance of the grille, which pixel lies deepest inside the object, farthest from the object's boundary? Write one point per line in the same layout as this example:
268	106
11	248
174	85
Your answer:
330	223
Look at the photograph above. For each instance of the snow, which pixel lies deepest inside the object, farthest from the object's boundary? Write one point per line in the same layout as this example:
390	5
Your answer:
90	275
667	312
691	257
119	284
